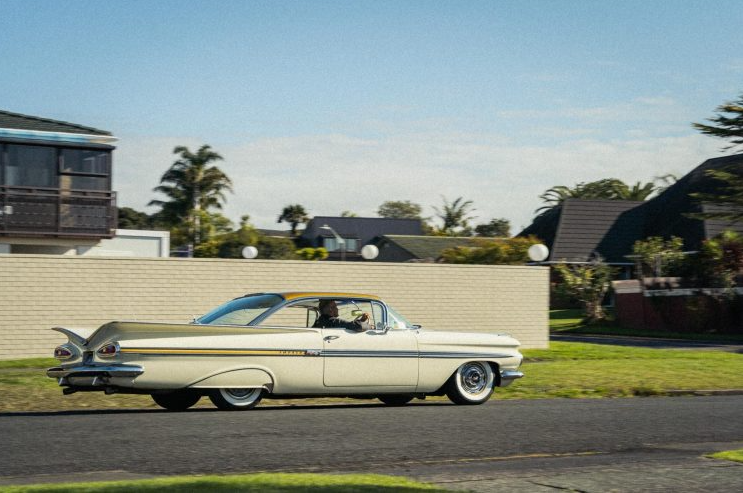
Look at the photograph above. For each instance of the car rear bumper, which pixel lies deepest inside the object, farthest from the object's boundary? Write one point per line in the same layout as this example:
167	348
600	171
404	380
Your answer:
110	371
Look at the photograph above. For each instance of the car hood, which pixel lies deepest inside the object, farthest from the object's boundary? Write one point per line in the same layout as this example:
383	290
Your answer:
484	339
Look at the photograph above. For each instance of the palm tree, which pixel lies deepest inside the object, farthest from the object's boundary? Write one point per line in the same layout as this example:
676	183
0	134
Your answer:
726	127
455	215
193	186
294	215
607	189
640	191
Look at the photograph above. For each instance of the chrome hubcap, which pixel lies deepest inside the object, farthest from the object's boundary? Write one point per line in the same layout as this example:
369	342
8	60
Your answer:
241	394
474	378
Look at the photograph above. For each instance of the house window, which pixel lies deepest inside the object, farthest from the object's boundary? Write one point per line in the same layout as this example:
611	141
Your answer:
85	161
31	166
85	169
332	245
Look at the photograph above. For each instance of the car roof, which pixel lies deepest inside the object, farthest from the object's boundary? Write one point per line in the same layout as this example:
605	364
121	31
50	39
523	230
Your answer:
326	294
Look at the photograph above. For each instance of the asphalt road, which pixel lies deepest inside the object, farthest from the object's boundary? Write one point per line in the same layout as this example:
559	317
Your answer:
453	445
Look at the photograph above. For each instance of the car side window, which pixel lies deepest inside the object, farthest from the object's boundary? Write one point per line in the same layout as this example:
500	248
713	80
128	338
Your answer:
290	316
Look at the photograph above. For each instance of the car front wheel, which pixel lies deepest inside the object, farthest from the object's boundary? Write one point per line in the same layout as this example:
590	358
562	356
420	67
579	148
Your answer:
236	399
472	383
178	400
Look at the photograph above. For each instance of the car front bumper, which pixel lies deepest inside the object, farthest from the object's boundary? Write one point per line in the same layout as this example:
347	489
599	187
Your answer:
508	376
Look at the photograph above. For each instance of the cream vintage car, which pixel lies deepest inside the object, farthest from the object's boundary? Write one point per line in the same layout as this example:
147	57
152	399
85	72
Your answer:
268	345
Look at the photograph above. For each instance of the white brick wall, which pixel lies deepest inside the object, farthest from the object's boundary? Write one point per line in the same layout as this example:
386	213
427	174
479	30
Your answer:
40	291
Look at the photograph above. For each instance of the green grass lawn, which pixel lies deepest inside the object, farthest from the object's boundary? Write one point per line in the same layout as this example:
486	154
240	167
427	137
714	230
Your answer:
269	483
733	455
565	370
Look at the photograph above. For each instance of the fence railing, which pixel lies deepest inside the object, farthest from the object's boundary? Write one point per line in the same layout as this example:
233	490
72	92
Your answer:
38	211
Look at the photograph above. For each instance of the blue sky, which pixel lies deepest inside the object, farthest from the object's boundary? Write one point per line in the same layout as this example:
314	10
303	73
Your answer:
343	105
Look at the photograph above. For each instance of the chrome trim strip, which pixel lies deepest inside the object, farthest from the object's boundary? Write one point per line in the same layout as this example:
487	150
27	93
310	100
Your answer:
331	353
92	371
452	354
340	353
218	351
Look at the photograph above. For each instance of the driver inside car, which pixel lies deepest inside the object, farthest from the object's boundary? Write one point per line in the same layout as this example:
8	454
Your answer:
329	318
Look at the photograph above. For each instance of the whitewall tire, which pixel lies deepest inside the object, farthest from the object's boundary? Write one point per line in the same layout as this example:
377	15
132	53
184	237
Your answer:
236	399
472	383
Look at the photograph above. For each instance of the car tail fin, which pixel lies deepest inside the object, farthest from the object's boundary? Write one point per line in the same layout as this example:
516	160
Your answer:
76	336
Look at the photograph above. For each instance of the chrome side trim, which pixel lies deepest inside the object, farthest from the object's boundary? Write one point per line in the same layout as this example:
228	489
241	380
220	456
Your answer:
331	353
451	354
95	371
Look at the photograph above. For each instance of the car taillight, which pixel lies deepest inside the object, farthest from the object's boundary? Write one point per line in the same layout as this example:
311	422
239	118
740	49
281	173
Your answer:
108	350
63	353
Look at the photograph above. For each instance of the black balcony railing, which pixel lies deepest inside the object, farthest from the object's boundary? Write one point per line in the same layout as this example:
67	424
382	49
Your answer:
39	211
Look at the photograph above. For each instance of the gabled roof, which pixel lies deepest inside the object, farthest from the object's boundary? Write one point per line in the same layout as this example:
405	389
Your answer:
282	233
578	228
428	247
363	228
667	214
27	122
607	227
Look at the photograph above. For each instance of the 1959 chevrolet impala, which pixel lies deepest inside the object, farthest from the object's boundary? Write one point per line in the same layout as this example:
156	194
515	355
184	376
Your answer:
284	345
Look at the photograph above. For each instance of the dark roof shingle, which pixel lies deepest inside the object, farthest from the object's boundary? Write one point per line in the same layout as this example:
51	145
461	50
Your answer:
606	227
428	247
27	122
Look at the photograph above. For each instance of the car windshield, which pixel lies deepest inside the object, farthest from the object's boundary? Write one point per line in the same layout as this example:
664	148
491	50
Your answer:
241	311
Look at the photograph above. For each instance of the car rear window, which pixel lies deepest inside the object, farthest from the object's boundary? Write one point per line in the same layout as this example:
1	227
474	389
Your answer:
241	311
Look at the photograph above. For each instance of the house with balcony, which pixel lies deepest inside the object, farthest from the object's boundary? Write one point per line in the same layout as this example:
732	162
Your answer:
55	191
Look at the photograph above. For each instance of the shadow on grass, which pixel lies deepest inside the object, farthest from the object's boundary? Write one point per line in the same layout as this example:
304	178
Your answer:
271	483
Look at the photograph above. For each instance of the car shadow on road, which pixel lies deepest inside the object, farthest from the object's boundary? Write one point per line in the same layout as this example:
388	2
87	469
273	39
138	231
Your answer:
263	408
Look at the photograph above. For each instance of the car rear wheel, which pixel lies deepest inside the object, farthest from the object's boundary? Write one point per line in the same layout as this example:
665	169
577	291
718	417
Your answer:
395	399
236	399
472	383
178	400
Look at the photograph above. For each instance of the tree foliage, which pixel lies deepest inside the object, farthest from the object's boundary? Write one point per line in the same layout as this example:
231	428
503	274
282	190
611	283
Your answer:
192	185
133	219
231	244
499	227
729	196
310	253
400	209
606	189
589	284
455	217
210	226
722	259
727	123
657	257
294	215
511	251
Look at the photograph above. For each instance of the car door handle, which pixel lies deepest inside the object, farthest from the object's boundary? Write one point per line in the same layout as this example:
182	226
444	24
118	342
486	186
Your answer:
329	338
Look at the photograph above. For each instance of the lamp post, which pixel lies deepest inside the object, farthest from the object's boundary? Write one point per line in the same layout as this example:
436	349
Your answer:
338	238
